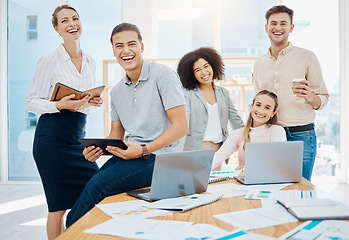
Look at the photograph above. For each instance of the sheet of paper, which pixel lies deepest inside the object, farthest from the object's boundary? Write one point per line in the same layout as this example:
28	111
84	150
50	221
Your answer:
277	186
269	203
131	209
257	218
277	194
200	231
141	228
233	190
319	230
227	190
241	235
230	174
186	202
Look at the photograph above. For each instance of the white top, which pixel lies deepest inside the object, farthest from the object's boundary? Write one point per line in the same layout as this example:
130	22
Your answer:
58	67
256	134
213	130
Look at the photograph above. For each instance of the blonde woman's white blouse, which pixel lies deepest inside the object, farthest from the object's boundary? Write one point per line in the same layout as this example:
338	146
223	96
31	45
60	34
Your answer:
58	67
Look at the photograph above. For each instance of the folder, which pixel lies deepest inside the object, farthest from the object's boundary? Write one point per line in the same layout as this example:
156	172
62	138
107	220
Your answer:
62	90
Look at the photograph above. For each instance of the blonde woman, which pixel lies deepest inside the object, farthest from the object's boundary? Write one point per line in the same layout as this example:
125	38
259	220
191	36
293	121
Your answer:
63	169
261	126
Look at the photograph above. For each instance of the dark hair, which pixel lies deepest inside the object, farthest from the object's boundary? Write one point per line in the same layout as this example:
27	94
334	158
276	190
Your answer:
279	9
185	66
59	8
126	27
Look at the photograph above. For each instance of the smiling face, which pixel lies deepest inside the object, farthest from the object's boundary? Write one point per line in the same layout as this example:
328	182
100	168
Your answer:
278	28
203	72
68	24
262	110
128	50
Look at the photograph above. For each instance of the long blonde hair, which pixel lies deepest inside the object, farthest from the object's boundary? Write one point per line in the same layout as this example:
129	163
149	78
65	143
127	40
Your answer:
272	120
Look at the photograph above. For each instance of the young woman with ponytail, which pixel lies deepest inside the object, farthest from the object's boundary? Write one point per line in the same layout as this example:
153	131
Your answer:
261	126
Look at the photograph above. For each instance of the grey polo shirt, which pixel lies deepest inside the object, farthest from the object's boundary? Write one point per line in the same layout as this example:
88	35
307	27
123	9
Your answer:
141	107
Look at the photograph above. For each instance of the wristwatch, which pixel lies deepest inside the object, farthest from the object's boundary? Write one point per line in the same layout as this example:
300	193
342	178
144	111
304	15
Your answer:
145	153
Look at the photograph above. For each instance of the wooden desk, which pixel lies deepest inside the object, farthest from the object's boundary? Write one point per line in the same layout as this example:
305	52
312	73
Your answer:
202	214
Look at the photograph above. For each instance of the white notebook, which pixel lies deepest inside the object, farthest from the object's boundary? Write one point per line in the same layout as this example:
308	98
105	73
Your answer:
217	179
315	209
185	203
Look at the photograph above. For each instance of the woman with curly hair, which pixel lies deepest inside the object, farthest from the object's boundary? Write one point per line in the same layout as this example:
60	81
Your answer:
208	106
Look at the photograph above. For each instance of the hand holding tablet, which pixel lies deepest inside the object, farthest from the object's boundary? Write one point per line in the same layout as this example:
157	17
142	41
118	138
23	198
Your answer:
103	143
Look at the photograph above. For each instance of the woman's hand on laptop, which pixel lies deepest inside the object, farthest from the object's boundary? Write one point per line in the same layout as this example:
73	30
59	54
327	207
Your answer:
133	151
92	153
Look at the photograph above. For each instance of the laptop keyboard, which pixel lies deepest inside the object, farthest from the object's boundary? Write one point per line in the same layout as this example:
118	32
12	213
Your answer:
146	195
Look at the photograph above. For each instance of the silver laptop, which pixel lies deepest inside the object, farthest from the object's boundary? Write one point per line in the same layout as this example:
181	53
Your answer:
178	174
272	162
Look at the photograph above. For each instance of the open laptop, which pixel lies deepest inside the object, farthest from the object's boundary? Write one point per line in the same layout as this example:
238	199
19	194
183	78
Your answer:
272	162
178	174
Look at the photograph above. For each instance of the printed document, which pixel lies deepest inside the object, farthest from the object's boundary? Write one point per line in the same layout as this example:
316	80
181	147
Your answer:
257	218
319	230
130	209
141	228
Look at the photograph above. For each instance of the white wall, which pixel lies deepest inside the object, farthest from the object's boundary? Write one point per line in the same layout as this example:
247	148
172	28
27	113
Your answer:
344	76
3	90
142	17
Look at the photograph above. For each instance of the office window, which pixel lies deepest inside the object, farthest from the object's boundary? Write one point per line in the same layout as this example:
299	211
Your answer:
242	28
184	25
242	35
320	34
32	32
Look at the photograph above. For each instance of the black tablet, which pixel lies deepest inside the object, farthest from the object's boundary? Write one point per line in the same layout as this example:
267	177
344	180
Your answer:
103	143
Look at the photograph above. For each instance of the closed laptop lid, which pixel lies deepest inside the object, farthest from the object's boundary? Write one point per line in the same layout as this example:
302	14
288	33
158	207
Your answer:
181	173
273	162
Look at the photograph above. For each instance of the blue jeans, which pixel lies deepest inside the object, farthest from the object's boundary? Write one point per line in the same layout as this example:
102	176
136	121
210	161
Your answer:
115	176
309	149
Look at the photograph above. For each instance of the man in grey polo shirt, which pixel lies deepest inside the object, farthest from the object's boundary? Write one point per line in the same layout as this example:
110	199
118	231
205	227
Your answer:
148	104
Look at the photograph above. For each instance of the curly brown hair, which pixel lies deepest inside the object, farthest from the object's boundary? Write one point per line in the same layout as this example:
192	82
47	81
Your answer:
185	66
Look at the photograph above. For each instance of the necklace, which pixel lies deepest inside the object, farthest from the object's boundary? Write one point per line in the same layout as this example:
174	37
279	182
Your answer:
79	57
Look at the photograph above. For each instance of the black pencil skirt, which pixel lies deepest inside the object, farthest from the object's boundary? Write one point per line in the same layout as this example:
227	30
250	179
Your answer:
58	156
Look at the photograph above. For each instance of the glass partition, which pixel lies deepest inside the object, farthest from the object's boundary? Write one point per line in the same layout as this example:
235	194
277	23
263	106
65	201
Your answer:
318	31
182	26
